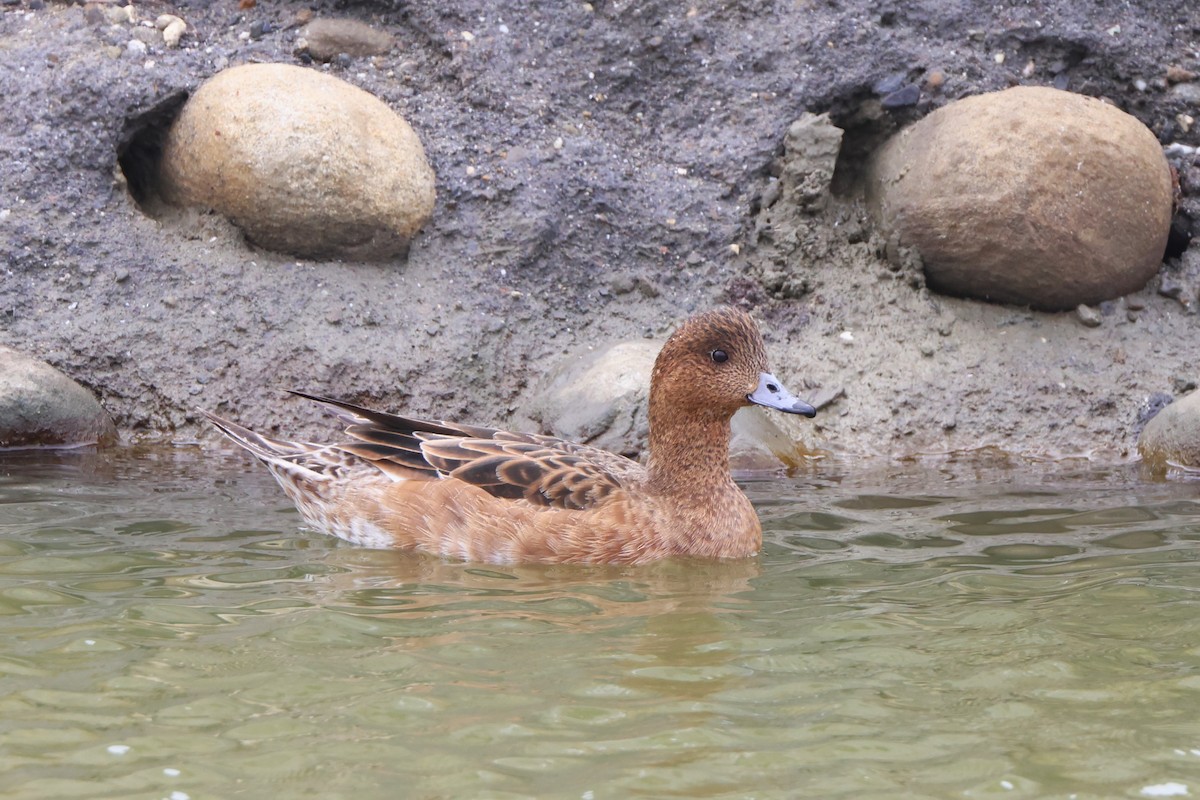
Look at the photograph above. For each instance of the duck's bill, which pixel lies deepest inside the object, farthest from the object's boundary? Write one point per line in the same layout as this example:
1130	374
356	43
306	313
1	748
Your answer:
770	393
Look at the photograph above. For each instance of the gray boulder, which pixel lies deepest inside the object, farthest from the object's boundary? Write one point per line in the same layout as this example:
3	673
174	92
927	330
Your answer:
42	407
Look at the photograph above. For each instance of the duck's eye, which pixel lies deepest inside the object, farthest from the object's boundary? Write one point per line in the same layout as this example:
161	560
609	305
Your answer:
719	356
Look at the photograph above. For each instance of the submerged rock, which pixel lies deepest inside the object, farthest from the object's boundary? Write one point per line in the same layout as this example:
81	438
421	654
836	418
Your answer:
302	162
1030	196
42	407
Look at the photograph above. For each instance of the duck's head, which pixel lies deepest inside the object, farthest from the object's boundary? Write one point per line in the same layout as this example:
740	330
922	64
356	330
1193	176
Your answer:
716	362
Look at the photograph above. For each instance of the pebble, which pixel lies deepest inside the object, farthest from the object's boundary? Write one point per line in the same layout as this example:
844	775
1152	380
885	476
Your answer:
1088	316
908	96
889	84
136	48
1177	74
1175	150
172	27
1187	92
147	36
1183	384
1169	286
118	749
826	396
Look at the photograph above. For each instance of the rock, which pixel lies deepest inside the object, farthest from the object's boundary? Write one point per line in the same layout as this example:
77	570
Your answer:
1177	74
172	28
1089	316
908	96
302	162
1030	196
327	38
1172	437
42	407
601	396
812	144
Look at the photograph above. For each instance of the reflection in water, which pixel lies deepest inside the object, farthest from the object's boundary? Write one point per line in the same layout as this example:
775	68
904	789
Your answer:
943	629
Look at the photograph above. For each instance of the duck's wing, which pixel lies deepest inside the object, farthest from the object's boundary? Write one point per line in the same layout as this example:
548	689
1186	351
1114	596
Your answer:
542	470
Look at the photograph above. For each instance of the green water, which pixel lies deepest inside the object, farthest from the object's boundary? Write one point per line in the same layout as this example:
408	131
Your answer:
949	630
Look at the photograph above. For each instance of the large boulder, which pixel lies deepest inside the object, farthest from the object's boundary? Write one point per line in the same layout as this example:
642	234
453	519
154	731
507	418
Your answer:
1173	435
302	162
1032	196
42	407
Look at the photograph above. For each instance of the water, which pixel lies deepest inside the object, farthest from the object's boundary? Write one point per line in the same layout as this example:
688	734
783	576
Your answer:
966	629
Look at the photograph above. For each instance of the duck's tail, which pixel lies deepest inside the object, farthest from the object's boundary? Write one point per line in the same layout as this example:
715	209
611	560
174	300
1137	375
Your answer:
299	461
316	478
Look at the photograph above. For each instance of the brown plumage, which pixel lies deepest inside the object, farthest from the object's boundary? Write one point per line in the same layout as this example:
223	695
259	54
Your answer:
479	494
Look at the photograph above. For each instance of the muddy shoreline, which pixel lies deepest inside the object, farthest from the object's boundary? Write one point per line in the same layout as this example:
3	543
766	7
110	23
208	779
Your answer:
602	171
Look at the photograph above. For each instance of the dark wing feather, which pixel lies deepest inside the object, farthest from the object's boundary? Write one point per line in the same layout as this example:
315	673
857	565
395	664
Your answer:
539	469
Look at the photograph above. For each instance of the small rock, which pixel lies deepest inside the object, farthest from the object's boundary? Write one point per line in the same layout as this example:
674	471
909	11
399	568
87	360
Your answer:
42	407
147	36
174	32
826	396
172	28
647	287
118	15
890	84
1183	384
1089	316
136	48
1177	74
328	38
935	80
908	96
622	284
1170	286
1187	92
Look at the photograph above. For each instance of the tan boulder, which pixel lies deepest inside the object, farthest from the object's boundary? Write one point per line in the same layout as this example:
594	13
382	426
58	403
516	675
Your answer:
42	407
1031	195
302	162
1173	435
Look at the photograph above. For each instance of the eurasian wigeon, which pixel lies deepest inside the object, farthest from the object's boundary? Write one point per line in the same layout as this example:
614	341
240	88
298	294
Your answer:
479	494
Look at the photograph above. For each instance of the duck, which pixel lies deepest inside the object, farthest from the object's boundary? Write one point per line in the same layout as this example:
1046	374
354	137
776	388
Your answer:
479	494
